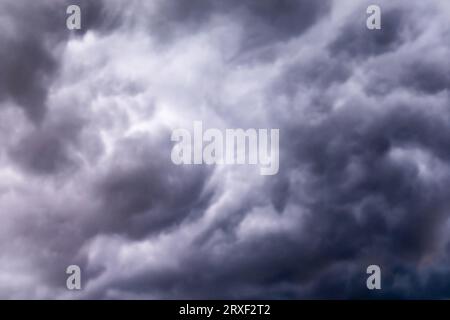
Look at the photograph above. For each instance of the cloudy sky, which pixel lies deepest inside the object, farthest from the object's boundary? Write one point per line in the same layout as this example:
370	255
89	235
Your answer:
85	170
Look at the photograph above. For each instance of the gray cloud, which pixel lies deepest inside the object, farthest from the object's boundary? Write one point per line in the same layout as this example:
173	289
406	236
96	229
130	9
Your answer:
85	170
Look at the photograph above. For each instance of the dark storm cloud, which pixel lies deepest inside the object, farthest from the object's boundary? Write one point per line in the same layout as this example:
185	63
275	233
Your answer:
136	199
365	207
353	40
366	199
269	21
150	194
27	62
47	149
251	270
422	75
363	118
264	22
427	77
309	74
30	48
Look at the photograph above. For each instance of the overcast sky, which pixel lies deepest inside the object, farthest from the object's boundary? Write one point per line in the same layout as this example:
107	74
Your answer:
85	170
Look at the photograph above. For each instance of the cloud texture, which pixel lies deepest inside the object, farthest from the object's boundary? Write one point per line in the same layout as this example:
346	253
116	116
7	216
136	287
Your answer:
85	170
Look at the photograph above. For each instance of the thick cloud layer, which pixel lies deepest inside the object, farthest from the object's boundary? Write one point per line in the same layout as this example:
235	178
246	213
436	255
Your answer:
86	176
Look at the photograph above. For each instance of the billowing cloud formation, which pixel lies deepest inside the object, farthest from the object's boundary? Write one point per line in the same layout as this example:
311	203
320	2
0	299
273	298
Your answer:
85	170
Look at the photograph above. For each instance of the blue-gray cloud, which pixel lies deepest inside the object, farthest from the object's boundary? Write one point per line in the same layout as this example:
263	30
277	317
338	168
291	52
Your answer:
86	176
